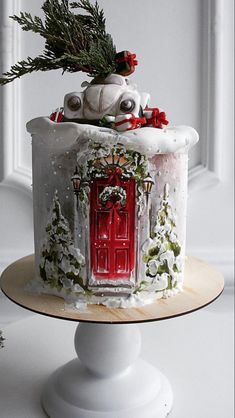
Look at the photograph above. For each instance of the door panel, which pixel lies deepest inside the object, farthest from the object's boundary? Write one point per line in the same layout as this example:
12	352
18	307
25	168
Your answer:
102	260
121	261
122	226
103	227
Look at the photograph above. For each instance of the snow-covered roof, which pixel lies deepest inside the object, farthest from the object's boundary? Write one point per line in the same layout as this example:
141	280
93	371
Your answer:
146	140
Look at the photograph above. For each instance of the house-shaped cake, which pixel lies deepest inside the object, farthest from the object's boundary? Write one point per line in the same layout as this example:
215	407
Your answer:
110	200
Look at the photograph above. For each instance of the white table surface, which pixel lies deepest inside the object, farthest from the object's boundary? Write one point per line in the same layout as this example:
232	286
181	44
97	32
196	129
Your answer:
195	352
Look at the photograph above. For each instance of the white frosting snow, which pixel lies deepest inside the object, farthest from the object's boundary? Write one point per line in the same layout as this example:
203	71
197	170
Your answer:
80	302
147	140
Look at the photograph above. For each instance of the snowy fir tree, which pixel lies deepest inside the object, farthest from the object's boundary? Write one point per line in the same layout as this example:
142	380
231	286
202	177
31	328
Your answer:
61	262
163	254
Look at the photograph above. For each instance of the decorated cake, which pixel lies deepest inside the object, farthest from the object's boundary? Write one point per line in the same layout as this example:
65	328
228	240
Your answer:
109	173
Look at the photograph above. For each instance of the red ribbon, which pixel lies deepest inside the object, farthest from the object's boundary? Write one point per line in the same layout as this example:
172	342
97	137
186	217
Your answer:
135	122
114	207
114	179
113	204
158	118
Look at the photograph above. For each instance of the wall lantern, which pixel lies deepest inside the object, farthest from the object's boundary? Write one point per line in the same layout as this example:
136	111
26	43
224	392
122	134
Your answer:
148	184
76	180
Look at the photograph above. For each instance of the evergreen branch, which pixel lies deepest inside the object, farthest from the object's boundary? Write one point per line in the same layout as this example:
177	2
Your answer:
98	58
73	42
30	65
97	15
28	23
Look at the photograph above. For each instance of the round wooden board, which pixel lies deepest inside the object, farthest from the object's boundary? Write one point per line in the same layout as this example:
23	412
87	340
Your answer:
203	284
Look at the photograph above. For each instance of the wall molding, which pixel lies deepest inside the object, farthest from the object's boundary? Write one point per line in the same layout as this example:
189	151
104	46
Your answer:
209	172
13	173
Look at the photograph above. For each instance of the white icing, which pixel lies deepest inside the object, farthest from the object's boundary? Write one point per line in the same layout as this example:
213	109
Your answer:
149	141
80	301
111	282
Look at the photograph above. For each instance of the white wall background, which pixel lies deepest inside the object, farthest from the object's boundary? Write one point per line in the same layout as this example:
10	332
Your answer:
185	52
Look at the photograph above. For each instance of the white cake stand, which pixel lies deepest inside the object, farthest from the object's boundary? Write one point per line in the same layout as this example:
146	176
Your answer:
109	379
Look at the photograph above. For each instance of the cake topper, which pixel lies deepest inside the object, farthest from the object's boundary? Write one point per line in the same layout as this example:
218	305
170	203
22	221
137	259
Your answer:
73	42
79	42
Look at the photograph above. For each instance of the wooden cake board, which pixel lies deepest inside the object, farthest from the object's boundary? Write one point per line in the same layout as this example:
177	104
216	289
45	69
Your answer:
109	379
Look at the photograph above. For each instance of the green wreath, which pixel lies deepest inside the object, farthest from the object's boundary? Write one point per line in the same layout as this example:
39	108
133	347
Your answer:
113	192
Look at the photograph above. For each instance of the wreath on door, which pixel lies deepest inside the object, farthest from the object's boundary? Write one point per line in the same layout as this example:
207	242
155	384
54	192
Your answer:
113	194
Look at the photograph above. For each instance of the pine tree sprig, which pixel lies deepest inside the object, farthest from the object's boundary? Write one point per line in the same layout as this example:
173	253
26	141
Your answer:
28	23
73	42
30	65
97	16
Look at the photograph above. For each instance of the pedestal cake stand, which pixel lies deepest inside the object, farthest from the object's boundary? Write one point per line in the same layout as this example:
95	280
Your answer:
109	379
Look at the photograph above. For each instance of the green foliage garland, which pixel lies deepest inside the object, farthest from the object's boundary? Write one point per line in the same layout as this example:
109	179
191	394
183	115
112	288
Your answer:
101	157
135	164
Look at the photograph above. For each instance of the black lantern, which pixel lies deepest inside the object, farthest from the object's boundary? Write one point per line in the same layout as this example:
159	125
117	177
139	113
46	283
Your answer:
76	180
148	184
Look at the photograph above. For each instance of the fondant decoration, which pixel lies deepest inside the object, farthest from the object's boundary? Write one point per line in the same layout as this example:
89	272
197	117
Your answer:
113	195
104	101
114	164
61	262
163	259
114	103
128	122
76	179
133	167
58	115
125	63
155	118
112	232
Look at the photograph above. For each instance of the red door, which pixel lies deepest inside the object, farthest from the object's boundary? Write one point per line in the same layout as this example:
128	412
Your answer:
112	233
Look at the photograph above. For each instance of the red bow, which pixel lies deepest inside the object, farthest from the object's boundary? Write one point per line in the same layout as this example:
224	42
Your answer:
130	58
114	176
158	119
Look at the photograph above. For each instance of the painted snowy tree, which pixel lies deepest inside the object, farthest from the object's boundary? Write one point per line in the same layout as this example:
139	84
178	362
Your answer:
61	262
163	253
